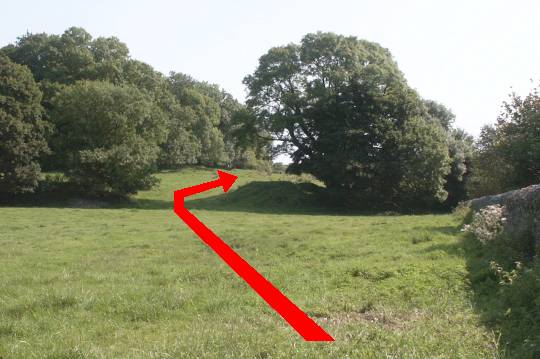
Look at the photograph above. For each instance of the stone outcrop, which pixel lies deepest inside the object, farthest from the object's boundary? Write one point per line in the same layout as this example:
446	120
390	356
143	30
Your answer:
522	212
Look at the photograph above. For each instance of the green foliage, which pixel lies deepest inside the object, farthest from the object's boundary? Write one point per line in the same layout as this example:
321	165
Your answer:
505	276
244	137
440	113
520	142
220	126
202	124
22	130
248	159
491	171
460	149
461	152
507	291
238	136
341	108
203	117
64	59
108	136
110	59
508	154
521	304
70	57
423	161
182	146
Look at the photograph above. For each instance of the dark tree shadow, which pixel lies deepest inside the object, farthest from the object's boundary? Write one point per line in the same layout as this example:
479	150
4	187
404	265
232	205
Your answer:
284	197
267	197
65	196
272	197
451	230
501	308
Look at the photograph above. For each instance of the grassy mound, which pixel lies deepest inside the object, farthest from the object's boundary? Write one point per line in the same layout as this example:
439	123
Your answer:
264	196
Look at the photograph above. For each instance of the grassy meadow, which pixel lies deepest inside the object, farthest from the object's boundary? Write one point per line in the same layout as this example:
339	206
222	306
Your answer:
89	279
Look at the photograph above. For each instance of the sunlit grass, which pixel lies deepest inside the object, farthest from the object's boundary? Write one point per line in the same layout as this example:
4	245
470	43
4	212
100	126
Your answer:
133	281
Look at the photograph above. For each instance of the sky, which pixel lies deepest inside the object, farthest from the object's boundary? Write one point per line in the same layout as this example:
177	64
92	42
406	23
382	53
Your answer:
468	55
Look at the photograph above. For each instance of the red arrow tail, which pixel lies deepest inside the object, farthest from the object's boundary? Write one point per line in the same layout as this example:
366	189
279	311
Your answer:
299	320
304	325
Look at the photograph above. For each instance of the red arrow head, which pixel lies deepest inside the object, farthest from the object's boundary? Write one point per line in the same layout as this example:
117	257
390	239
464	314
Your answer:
226	180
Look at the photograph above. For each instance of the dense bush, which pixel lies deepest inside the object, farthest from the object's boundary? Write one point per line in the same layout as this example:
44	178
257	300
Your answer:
108	136
22	130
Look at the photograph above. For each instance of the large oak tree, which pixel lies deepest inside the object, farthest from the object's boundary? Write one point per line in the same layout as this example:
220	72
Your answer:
344	112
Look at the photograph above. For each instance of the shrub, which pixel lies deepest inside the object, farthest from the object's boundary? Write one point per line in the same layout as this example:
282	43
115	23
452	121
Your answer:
515	307
487	224
506	277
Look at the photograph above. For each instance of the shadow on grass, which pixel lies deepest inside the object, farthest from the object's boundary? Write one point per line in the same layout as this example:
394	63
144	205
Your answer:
271	197
451	230
512	312
267	197
257	196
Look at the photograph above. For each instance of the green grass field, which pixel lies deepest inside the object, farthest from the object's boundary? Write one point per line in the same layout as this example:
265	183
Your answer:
83	279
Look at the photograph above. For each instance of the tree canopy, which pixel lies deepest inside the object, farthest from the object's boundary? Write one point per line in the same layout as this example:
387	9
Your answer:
22	130
339	106
343	110
108	136
201	124
508	153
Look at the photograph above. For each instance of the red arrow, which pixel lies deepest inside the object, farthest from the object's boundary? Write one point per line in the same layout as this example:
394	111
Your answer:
299	320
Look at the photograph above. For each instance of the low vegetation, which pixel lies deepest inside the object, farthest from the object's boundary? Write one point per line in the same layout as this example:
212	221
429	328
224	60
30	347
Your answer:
84	278
505	271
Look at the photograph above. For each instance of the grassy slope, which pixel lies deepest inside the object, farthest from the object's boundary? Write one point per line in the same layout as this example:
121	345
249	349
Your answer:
133	281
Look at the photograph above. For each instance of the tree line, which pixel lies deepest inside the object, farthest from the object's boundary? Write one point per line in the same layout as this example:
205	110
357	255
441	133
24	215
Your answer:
339	106
83	106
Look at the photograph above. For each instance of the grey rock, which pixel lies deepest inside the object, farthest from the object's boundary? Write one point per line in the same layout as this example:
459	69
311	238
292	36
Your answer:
522	212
